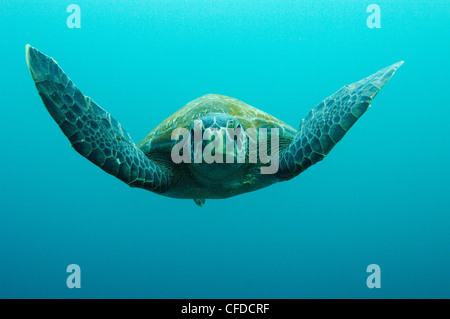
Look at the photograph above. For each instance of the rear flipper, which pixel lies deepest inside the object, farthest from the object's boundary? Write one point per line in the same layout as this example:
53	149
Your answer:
200	201
93	132
328	122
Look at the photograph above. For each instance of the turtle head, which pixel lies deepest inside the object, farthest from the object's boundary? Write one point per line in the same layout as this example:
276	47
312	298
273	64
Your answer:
219	146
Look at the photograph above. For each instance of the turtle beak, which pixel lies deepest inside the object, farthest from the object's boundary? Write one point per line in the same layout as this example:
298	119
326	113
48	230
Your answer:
217	139
226	146
216	135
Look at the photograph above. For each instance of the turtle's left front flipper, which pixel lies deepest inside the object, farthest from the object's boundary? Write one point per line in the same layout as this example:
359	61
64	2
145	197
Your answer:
325	125
93	132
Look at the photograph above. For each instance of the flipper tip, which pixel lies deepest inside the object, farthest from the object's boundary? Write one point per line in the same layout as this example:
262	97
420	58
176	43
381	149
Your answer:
27	53
399	64
38	63
373	83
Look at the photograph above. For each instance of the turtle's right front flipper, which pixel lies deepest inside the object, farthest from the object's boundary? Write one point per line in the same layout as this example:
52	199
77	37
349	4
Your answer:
93	132
325	125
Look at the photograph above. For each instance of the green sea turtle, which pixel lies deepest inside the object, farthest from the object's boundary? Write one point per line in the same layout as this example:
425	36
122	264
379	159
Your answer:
97	136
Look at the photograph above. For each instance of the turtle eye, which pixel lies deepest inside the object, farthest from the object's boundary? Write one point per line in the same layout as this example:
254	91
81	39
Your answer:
233	123
198	125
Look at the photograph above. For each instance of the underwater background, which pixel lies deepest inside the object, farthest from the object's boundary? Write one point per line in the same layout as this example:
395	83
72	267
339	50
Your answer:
380	197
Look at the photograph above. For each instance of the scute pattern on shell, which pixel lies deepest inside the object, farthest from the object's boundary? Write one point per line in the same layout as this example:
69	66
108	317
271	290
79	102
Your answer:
248	116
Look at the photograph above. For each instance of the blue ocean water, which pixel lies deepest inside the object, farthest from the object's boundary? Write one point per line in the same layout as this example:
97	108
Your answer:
380	197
